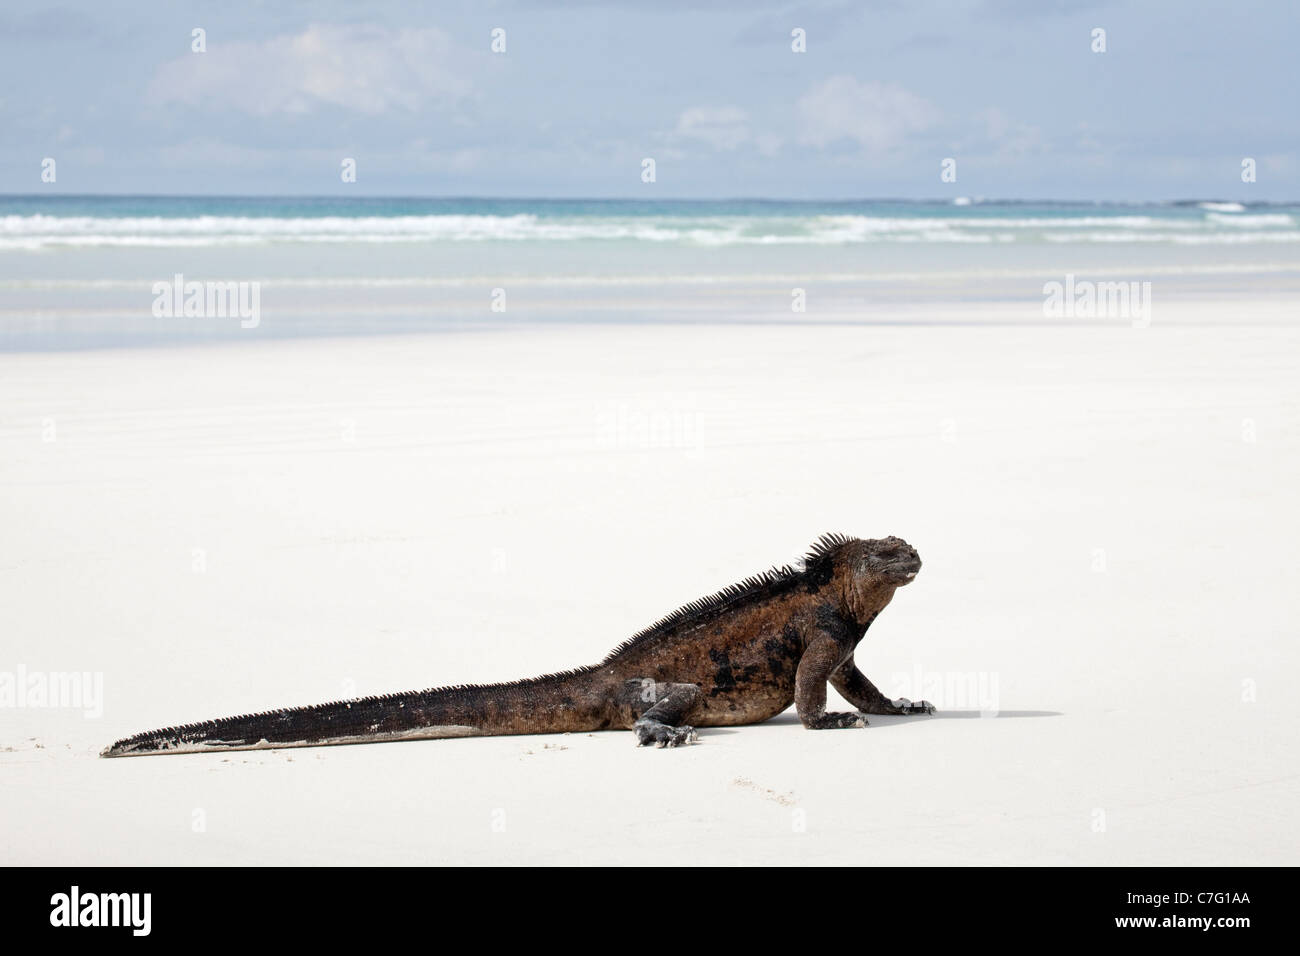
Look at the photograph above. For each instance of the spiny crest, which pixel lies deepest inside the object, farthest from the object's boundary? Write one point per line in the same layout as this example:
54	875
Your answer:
767	582
826	545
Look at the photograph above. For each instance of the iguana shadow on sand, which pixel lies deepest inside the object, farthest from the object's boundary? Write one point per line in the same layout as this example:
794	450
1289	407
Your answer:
739	656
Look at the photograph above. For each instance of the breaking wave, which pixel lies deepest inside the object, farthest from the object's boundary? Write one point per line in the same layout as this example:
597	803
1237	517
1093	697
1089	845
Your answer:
1212	223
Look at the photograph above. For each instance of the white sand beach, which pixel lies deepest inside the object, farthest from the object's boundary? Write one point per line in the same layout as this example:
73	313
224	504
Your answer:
1107	517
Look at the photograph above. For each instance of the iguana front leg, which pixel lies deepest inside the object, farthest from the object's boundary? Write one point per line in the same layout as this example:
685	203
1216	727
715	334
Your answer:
819	660
854	687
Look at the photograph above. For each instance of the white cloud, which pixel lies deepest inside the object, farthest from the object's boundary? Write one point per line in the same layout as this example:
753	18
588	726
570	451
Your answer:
1008	137
722	128
364	69
878	116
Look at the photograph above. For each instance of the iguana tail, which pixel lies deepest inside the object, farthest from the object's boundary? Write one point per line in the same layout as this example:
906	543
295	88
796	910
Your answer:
556	703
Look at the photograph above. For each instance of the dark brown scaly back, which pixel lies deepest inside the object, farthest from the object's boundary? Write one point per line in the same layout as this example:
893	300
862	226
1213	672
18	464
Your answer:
814	567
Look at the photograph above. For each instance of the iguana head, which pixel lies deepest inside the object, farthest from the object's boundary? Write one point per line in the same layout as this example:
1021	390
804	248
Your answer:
867	570
887	561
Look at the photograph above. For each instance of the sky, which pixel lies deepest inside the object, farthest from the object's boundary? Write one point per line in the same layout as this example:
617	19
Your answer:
583	93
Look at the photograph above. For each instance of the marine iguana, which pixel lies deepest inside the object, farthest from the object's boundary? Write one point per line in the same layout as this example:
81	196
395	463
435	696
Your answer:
739	656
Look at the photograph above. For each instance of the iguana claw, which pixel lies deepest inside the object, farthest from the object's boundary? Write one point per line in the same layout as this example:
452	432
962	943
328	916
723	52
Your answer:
906	706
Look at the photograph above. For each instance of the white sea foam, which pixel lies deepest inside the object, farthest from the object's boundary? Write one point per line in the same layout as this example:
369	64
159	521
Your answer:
1185	239
1255	220
36	232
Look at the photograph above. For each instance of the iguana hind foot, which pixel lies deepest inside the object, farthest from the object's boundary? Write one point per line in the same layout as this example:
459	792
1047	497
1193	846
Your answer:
659	724
663	735
836	721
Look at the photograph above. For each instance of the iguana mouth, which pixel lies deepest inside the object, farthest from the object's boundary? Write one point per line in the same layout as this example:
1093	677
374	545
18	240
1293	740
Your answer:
905	571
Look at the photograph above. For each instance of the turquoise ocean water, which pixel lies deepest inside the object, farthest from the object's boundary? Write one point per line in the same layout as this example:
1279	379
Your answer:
81	271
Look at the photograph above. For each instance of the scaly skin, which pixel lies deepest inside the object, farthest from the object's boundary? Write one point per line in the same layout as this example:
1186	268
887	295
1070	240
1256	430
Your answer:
736	657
